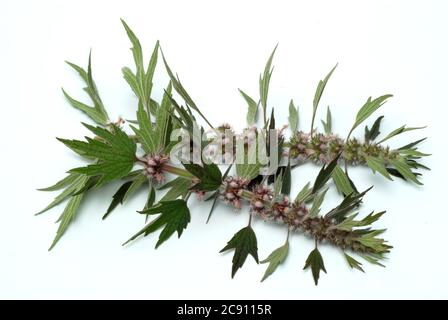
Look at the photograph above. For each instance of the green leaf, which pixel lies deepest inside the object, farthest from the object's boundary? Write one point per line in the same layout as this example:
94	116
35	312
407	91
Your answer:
150	71
328	123
136	49
278	184
325	174
178	188
68	180
316	263
163	119
151	196
318	200
215	195
248	171
137	182
370	240
353	263
265	78
373	133
145	133
252	107
286	183
412	144
272	120
399	131
277	257
97	113
131	79
377	165
182	92
209	175
117	198
350	202
125	191
304	194
349	223
373	259
89	111
244	242
319	91
174	216
368	108
67	217
405	171
82	73
115	152
293	117
73	187
341	181
93	91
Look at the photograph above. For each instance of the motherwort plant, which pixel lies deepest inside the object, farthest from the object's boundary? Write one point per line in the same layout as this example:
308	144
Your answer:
166	152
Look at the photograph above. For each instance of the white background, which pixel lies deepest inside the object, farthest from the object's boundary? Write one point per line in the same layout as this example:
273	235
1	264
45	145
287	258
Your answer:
397	47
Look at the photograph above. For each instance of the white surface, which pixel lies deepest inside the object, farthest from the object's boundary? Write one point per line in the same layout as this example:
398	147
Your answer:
397	47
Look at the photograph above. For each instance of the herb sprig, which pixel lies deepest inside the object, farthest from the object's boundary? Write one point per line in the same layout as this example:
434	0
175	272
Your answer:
141	155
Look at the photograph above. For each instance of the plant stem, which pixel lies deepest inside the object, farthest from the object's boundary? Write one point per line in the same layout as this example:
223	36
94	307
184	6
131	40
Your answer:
178	171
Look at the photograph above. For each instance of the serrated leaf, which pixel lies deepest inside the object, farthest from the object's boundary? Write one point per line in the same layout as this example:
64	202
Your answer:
150	71
350	202
412	144
67	217
89	111
341	181
377	165
244	242
145	132
97	113
117	198
178	188
405	171
174	216
68	180
77	184
136	48
252	107
137	182
325	174
398	131
373	260
316	262
353	263
373	133
209	175
163	119
277	257
368	108
293	117
131	79
349	223
115	153
182	92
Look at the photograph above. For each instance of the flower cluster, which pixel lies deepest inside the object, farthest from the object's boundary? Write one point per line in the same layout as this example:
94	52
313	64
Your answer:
322	148
154	166
231	191
260	203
